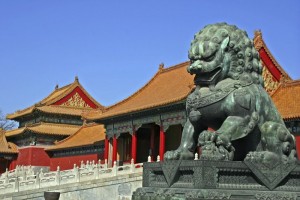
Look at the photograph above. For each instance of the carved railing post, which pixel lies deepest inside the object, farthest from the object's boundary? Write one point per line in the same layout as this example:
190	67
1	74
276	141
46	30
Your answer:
58	175
132	165
76	173
17	185
105	164
158	159
41	174
196	156
6	176
96	171
37	181
115	169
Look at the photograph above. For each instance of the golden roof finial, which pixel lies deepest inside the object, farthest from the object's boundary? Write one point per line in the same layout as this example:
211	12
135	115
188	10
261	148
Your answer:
258	42
161	66
257	33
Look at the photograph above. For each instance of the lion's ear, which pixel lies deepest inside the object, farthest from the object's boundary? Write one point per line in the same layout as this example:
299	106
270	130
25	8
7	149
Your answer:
225	43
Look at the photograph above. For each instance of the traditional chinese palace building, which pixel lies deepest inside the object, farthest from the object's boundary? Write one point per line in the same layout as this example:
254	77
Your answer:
53	119
148	122
8	151
87	144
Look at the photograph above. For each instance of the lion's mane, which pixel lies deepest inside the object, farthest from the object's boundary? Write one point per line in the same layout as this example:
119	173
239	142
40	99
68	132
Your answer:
245	61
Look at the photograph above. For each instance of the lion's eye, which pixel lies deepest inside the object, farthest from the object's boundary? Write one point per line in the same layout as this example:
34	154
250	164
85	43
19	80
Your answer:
210	58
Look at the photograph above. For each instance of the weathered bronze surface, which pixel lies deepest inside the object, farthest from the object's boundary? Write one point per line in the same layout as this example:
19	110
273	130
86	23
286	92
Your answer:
229	97
251	154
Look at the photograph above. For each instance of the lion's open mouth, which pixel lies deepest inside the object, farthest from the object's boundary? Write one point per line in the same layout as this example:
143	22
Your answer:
207	77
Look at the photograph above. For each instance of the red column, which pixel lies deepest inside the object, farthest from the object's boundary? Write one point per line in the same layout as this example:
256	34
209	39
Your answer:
106	146
115	149
161	143
133	145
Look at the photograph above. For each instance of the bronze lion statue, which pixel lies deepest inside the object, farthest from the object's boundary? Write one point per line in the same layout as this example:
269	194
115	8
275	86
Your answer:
230	98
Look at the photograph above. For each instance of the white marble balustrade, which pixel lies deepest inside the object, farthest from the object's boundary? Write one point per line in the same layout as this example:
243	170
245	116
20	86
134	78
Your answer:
23	178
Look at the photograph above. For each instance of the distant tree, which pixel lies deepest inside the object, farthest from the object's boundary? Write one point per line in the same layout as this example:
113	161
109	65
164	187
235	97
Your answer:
6	124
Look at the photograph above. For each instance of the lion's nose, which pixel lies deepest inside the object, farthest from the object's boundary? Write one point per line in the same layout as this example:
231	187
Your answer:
193	67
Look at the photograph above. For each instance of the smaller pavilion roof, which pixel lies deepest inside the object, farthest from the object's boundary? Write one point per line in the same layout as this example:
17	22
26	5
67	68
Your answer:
87	135
45	129
6	147
57	102
287	98
169	85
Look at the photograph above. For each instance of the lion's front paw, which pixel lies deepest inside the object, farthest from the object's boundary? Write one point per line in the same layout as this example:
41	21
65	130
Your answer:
177	154
171	155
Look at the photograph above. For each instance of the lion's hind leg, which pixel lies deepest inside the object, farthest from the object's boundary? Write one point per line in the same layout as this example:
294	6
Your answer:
277	139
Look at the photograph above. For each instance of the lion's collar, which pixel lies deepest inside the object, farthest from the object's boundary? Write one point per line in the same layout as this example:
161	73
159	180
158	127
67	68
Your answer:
207	97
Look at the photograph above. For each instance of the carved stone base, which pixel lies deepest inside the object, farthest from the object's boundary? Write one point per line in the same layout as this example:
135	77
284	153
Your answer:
204	179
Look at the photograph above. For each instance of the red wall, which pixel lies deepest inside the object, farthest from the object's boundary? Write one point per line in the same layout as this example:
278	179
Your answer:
68	162
34	156
12	164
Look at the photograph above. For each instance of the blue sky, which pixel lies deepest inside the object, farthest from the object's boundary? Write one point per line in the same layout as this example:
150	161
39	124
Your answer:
115	47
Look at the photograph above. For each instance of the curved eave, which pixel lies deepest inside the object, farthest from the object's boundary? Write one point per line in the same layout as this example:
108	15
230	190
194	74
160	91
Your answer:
161	77
87	135
45	129
260	45
138	110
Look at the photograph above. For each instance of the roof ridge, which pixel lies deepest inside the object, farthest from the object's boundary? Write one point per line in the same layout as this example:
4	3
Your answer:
38	104
260	43
291	83
135	93
173	67
71	87
160	71
142	108
286	85
54	91
90	97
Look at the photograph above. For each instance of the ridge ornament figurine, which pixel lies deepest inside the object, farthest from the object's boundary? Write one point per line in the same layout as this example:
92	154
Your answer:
230	98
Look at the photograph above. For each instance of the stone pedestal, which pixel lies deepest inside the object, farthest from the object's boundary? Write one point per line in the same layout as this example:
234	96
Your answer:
204	179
